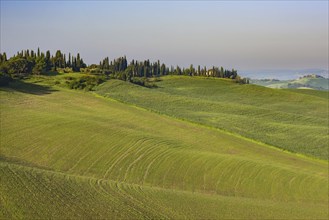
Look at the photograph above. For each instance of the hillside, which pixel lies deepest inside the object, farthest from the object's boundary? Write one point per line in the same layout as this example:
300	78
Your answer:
307	82
68	153
285	119
35	193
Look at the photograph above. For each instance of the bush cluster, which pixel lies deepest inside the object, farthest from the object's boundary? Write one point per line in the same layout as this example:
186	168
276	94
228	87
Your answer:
143	82
85	82
65	70
240	80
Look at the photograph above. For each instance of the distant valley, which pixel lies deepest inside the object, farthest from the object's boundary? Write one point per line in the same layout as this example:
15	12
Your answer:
311	81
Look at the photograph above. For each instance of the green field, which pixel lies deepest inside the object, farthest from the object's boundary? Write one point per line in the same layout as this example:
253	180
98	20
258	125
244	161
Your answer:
280	118
69	153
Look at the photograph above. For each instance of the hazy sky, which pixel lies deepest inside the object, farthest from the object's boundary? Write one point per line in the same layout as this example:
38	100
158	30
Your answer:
240	34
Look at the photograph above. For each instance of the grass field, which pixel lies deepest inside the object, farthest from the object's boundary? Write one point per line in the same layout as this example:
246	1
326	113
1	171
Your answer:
68	153
34	193
281	118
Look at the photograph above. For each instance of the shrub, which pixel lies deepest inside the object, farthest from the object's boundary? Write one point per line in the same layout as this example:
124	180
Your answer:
143	82
65	70
241	80
85	82
138	81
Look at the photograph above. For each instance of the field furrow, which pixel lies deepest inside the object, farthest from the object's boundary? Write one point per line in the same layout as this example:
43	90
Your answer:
73	154
94	198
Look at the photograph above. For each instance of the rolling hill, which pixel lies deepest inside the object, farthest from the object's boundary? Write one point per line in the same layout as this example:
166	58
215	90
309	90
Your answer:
292	121
125	151
306	82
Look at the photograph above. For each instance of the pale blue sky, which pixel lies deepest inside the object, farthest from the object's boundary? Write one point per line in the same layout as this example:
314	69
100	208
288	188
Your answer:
240	34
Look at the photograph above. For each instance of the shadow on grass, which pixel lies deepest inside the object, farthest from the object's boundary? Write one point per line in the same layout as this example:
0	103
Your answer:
50	73
29	88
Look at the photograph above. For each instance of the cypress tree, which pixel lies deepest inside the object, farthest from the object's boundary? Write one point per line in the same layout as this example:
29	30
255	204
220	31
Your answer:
4	57
69	63
74	64
78	63
58	59
221	72
163	69
64	61
107	63
125	63
48	62
192	70
145	71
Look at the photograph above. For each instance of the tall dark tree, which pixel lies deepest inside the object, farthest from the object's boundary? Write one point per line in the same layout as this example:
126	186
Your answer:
48	60
78	63
58	59
3	58
69	62
163	69
145	71
64	61
221	72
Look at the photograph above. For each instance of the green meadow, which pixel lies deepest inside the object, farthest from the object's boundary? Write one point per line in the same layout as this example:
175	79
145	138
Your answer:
191	148
290	120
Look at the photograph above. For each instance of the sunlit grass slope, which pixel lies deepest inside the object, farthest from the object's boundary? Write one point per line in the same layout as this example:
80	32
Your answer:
294	121
34	193
66	152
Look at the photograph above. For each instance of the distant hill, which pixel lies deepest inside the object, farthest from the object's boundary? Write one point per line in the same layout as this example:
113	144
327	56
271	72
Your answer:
311	81
282	74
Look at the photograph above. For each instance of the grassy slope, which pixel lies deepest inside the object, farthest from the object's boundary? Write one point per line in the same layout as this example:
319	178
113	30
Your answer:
33	193
91	141
310	92
281	118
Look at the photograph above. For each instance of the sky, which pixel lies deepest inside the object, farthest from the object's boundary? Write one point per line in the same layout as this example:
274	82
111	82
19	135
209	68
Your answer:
234	34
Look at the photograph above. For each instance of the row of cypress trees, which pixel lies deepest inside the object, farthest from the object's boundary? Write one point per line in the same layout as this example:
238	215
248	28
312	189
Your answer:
30	62
153	69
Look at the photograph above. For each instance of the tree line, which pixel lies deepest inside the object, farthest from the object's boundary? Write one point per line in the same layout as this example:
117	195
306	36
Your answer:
27	62
155	69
